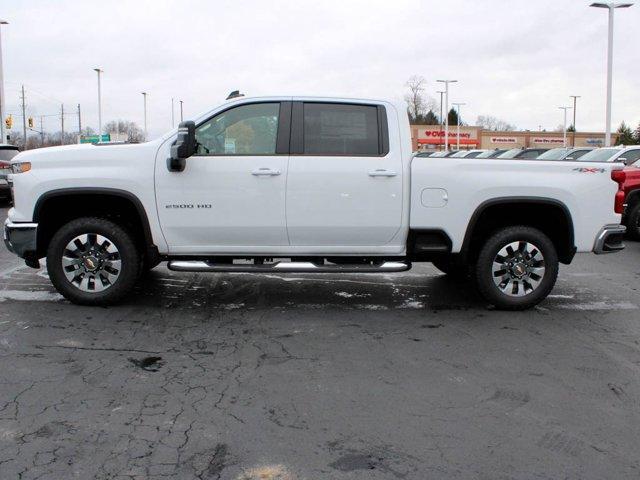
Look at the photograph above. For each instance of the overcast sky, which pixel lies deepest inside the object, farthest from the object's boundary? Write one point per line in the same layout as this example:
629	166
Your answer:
517	60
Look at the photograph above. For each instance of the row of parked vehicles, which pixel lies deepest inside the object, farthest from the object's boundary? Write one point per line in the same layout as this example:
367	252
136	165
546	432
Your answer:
627	155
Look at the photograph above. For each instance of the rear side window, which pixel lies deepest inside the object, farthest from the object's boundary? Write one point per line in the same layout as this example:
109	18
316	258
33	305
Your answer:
341	129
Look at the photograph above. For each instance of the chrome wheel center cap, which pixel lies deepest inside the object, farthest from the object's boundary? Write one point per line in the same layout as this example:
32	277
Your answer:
91	263
519	270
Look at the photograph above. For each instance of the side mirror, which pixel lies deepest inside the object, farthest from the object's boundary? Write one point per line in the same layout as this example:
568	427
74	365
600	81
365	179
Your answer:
569	158
184	146
623	160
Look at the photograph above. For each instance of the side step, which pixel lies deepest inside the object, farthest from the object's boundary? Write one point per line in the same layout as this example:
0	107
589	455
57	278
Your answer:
285	267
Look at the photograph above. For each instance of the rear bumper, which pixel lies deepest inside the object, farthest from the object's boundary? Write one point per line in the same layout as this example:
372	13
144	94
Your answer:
20	238
610	239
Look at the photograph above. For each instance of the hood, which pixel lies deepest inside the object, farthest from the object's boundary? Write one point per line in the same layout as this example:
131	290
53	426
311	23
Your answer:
86	154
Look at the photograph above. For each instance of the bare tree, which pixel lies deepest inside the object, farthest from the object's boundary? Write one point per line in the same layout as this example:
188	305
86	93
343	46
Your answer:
489	122
419	104
134	133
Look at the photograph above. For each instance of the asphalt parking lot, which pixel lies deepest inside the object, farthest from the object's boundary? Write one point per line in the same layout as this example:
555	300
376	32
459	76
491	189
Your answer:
239	376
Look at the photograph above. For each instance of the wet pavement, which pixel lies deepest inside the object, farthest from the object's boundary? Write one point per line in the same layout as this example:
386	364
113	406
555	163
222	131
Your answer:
240	376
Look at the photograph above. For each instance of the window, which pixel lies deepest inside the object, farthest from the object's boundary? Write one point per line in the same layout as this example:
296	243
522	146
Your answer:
341	129
632	156
244	130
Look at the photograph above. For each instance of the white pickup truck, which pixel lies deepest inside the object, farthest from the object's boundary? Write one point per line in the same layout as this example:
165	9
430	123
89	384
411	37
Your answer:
299	184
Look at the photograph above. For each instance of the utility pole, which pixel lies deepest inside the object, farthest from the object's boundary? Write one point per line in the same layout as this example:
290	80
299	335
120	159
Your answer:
441	119
181	110
98	71
458	133
446	108
173	121
144	97
41	131
564	126
3	137
573	140
24	121
62	124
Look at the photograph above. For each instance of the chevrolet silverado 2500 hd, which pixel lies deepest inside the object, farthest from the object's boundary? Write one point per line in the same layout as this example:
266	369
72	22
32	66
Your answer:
298	184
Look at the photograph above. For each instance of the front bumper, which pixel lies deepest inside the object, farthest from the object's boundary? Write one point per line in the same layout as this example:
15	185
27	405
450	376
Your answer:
609	239
20	238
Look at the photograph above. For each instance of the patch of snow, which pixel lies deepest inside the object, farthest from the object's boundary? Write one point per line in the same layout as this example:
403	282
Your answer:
37	296
598	306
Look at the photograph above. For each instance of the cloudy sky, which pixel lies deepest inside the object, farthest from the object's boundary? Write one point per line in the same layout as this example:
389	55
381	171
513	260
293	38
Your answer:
517	59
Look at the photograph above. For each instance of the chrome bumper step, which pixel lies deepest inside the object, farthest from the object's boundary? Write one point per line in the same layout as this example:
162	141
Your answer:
285	267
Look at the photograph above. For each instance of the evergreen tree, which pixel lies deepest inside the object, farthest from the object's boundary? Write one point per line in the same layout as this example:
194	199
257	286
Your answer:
453	117
625	135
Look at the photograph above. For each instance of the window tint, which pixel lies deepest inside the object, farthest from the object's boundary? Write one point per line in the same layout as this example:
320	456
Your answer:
339	129
632	156
244	130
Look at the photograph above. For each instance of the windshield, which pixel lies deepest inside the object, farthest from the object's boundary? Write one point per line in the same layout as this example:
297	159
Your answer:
488	154
459	154
439	154
600	155
554	154
7	153
510	153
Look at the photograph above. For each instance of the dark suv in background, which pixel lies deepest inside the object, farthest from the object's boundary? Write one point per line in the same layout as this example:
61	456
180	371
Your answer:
7	152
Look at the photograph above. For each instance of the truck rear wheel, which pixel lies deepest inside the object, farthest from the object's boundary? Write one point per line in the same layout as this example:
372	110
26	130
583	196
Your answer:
517	267
93	261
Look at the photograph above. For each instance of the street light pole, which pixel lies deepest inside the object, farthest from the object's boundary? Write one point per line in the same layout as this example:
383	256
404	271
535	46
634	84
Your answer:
441	119
144	96
173	121
575	97
564	126
458	132
181	110
99	105
611	6
446	109
3	137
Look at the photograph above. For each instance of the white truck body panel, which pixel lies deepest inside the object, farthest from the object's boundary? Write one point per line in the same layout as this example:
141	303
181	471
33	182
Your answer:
316	205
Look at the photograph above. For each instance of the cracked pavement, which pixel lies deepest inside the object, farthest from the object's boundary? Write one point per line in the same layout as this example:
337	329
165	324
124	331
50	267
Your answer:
291	377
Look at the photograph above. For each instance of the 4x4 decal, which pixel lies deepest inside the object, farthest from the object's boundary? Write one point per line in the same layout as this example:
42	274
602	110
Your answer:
589	170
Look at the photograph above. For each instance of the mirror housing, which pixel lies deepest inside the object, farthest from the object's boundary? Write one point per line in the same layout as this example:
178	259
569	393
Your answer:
183	147
623	160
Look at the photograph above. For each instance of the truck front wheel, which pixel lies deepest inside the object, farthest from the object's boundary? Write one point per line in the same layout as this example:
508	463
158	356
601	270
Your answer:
517	267
93	261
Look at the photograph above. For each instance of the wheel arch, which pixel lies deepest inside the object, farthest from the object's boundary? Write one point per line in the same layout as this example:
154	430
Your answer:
547	214
55	207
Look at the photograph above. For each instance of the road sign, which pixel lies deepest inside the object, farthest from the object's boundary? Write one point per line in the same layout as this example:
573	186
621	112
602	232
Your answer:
95	138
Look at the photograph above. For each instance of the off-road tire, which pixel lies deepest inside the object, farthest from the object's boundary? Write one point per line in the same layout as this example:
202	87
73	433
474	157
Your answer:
123	241
484	268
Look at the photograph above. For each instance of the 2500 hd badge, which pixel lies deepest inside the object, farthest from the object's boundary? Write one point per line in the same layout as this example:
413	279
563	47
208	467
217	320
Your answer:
188	205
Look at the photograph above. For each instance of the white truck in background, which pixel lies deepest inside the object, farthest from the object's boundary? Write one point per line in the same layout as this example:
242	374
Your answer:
301	184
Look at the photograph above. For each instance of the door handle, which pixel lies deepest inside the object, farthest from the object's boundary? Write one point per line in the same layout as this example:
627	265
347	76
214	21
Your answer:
265	171
382	172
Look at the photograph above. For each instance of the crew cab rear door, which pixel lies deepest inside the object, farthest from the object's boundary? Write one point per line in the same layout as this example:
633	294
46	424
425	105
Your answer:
231	196
344	186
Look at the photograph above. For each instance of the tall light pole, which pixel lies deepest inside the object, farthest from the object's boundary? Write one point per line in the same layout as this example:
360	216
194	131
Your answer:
3	137
575	98
446	111
564	126
181	110
99	105
144	96
611	6
441	92
458	104
173	120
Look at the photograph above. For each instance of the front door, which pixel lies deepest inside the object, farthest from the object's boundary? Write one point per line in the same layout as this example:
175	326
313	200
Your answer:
345	183
231	195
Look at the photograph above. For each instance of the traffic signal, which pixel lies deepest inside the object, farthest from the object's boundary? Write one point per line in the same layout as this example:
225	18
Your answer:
30	121
8	122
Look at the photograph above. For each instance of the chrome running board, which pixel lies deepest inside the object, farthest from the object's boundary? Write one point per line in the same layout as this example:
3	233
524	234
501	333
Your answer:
285	267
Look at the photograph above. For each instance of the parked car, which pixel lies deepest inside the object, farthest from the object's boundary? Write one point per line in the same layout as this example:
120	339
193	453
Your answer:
523	153
491	153
467	154
7	152
626	155
425	154
631	188
339	191
564	153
